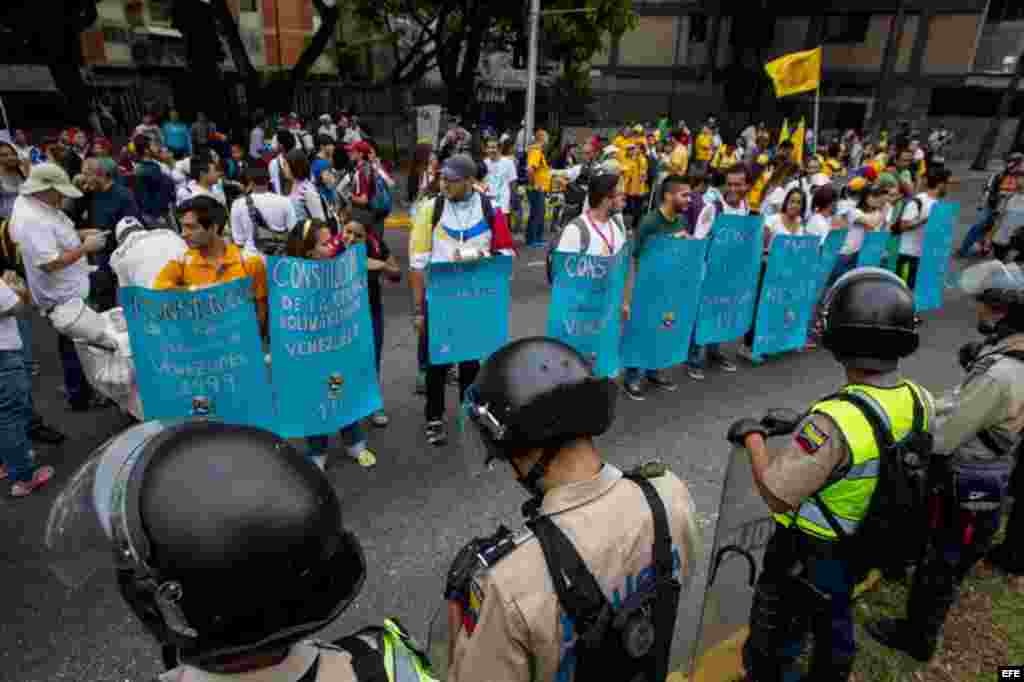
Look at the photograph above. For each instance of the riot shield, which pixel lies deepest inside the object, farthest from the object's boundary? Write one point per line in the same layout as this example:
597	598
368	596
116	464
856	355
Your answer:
745	525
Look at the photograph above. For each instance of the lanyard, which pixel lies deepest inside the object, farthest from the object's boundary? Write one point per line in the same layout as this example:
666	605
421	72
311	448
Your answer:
609	244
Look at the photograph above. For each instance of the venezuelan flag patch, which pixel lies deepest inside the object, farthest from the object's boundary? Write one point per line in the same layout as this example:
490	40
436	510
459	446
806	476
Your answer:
471	612
811	438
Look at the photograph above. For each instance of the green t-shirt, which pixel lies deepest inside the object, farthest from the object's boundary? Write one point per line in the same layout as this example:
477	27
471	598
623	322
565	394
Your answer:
653	224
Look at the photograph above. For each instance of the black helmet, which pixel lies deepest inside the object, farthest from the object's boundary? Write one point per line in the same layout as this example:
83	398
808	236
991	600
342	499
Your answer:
538	392
225	539
869	320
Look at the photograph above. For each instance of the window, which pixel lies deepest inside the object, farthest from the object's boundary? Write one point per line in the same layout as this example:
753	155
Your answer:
698	28
249	5
847	28
1005	10
160	11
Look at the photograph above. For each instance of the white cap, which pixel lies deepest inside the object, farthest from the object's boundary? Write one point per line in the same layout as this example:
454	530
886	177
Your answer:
125	224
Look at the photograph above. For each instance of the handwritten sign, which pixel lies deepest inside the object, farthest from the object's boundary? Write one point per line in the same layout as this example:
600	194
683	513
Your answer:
935	249
873	249
321	343
197	354
586	305
729	292
666	296
788	295
468	307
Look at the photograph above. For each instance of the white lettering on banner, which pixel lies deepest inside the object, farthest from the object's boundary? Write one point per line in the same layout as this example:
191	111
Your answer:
584	327
303	274
325	344
798	292
199	368
586	267
730	237
211	385
199	307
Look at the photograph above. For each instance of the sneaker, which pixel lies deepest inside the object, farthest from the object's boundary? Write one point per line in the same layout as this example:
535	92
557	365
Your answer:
320	461
696	373
437	434
662	382
40	477
747	354
366	458
379	419
634	390
725	363
421	383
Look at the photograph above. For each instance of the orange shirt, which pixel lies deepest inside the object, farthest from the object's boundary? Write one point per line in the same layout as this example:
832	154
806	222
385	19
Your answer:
193	270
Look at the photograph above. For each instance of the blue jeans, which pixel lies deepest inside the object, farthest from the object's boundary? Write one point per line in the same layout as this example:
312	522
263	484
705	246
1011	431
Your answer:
633	374
977	231
535	227
353	437
699	354
25	330
15	414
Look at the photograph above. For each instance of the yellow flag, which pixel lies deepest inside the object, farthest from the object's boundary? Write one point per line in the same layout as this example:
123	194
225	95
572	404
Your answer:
799	136
784	134
797	72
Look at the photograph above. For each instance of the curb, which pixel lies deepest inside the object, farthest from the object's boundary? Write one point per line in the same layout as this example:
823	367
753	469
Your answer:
724	661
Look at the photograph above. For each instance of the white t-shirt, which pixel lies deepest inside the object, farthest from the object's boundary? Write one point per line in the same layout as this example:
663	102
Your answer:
192	189
774	227
772	203
277	211
855	236
500	175
142	255
275	174
1011	220
911	241
819	226
710	211
606	239
43	233
10	339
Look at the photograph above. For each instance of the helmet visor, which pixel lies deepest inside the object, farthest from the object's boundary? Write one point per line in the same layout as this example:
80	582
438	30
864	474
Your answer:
991	275
85	531
478	431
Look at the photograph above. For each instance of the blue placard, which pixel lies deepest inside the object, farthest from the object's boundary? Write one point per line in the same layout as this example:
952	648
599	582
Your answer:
666	295
788	295
586	306
935	254
729	292
828	254
198	354
321	343
467	305
873	249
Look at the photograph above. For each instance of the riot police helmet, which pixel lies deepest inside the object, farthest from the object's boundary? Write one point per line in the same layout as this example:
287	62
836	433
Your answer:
869	320
999	285
536	393
225	541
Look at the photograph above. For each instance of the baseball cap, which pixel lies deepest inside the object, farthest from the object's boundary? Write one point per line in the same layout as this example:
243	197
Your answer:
125	225
47	176
458	168
325	117
638	128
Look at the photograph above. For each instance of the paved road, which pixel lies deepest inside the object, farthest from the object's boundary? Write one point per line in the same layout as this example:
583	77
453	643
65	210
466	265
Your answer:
420	504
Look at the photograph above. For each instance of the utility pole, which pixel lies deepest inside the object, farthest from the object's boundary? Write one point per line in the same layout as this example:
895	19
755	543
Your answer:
988	143
531	71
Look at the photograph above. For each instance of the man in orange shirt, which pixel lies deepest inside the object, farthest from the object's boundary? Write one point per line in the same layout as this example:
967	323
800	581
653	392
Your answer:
211	260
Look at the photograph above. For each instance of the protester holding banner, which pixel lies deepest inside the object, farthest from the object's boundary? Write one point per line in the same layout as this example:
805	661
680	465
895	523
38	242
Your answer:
668	220
460	226
312	240
861	213
733	202
915	217
211	259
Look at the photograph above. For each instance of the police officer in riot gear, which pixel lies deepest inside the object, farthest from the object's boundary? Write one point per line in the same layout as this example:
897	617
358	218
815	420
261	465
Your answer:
513	600
975	444
820	483
229	547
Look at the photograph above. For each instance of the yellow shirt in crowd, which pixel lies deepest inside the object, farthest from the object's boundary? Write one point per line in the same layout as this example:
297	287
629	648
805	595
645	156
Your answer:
756	193
194	270
702	147
679	161
536	162
634	173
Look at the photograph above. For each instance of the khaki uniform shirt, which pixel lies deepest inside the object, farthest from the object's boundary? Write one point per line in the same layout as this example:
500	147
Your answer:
521	632
991	399
335	665
816	453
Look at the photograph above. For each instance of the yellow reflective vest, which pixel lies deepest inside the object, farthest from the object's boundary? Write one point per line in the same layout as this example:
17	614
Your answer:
849	497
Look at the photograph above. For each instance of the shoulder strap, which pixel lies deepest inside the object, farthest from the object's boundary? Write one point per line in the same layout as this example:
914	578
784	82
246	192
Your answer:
488	209
581	226
435	217
578	591
254	213
367	662
311	674
662	534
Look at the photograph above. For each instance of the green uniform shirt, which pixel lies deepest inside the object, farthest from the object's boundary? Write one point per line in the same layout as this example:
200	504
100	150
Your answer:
655	223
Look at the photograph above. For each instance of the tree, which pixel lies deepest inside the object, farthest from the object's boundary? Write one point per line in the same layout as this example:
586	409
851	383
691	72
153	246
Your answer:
988	143
453	35
49	32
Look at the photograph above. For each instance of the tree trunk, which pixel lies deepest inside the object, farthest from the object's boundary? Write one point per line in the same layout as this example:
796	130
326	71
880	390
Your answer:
477	30
65	59
195	19
988	143
328	10
889	57
239	54
713	41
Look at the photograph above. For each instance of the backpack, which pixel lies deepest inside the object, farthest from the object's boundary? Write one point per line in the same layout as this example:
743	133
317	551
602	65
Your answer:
556	240
629	642
899	504
895	227
381	203
268	241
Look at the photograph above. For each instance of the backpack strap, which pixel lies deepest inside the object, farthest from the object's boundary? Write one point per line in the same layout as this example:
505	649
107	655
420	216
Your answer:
367	662
311	674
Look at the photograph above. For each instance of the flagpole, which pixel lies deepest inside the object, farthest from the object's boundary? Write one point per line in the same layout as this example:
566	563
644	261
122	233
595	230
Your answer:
817	115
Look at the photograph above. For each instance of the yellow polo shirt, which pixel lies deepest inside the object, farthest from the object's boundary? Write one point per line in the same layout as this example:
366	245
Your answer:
194	270
536	162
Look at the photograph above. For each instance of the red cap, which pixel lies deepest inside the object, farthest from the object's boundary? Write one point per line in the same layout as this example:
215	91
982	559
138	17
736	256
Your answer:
361	146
